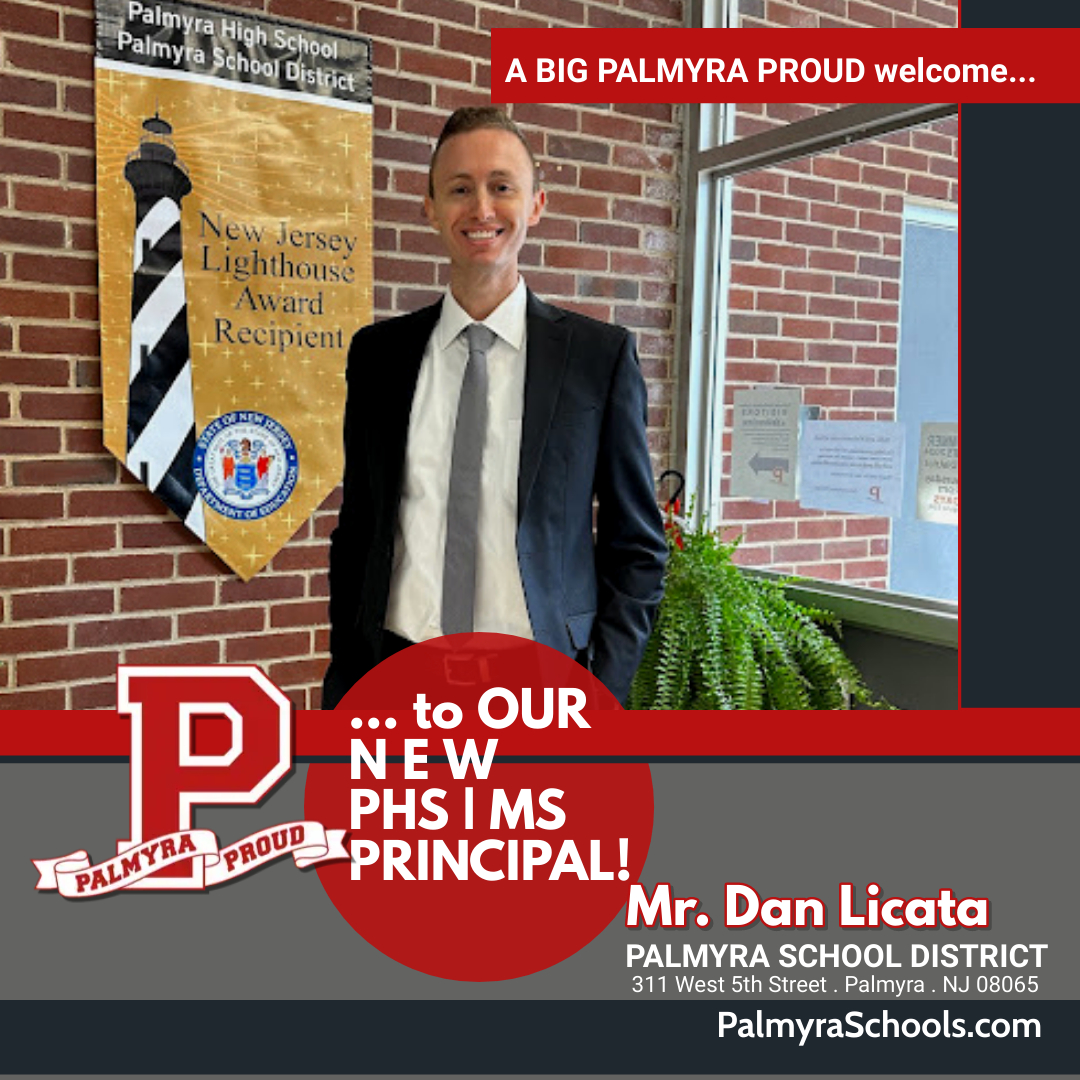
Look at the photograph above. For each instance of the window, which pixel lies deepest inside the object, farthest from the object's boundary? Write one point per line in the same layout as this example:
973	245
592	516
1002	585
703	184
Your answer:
819	400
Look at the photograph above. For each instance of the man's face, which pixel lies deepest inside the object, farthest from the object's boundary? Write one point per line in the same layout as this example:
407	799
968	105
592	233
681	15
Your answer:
484	201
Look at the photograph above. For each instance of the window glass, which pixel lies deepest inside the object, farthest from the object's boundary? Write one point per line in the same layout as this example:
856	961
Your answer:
837	305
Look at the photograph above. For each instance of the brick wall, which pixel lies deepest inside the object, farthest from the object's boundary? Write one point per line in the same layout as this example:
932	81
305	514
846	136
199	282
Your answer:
814	302
93	570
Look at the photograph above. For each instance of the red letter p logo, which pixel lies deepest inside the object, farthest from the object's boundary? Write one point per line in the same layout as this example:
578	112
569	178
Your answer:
200	736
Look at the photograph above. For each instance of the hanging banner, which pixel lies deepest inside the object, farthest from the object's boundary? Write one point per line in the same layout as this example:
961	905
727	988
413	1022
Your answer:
234	232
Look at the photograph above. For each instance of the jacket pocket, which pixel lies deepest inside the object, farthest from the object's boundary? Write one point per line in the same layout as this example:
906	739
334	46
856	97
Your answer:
580	629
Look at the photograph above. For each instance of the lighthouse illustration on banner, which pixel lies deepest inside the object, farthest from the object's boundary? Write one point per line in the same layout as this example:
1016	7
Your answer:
161	407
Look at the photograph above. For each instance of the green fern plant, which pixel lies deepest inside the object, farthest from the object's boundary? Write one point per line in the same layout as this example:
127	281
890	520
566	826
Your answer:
724	639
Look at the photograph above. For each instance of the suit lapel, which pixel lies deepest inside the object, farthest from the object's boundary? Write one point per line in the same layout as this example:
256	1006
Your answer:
389	413
547	348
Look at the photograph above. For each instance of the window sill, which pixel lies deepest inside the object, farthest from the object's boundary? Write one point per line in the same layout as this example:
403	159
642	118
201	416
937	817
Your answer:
933	621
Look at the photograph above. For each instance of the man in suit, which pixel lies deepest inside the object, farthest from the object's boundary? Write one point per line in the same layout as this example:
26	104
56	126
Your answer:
555	405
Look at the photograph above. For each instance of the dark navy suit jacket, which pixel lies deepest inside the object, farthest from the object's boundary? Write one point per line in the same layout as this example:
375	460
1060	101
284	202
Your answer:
583	434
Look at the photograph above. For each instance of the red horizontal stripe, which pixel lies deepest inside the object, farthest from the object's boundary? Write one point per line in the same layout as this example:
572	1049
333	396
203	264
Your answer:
962	733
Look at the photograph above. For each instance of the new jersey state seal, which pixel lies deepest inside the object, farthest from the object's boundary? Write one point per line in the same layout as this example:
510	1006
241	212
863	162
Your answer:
246	465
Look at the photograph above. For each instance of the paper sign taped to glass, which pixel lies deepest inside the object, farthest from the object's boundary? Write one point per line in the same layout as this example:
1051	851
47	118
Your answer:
234	225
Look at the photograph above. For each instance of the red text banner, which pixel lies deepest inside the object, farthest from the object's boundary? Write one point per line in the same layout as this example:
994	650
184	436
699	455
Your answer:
848	65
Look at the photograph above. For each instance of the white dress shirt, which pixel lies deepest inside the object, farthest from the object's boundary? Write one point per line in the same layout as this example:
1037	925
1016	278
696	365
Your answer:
414	609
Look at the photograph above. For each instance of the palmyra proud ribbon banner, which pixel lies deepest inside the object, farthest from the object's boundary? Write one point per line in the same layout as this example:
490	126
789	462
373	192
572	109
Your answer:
308	842
234	225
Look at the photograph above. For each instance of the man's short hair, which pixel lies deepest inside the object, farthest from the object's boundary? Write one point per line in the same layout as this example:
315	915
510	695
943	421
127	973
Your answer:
475	118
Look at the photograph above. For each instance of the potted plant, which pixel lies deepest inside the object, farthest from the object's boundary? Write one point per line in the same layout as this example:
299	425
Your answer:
725	639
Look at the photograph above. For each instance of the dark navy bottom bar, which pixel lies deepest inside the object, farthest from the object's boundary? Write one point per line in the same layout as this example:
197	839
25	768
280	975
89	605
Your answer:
537	1037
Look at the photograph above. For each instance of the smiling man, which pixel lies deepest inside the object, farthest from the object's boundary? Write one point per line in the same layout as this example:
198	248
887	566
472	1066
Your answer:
479	432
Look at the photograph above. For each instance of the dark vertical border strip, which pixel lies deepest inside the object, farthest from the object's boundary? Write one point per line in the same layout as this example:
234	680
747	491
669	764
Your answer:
1020	388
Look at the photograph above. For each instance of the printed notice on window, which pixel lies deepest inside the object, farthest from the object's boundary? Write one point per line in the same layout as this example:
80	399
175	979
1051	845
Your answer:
855	466
765	443
938	491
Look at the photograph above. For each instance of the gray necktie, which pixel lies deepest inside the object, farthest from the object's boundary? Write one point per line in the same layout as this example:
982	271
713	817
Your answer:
463	499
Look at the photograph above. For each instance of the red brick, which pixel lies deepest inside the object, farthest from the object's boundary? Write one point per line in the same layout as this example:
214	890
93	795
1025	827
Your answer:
76	63
762	228
396	28
866	568
298	672
790	302
827	398
326	12
81	168
782	254
16	640
763	276
820	528
33	303
70	471
82	440
61	406
765	531
67	668
88	372
670	10
805	328
436	66
443	10
21	371
851	286
609	180
409	271
802	375
639	317
122	567
642	212
27	573
52	698
453	39
29	440
62	538
874	399
262	588
221	622
187	652
23	161
862	198
19	90
184	594
840	216
99	695
793	351
58	605
928	187
122	631
852	376
79	99
837	261
832	307
309	613
302	557
58	131
608	17
866	526
30	507
54	270
159	535
267	646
